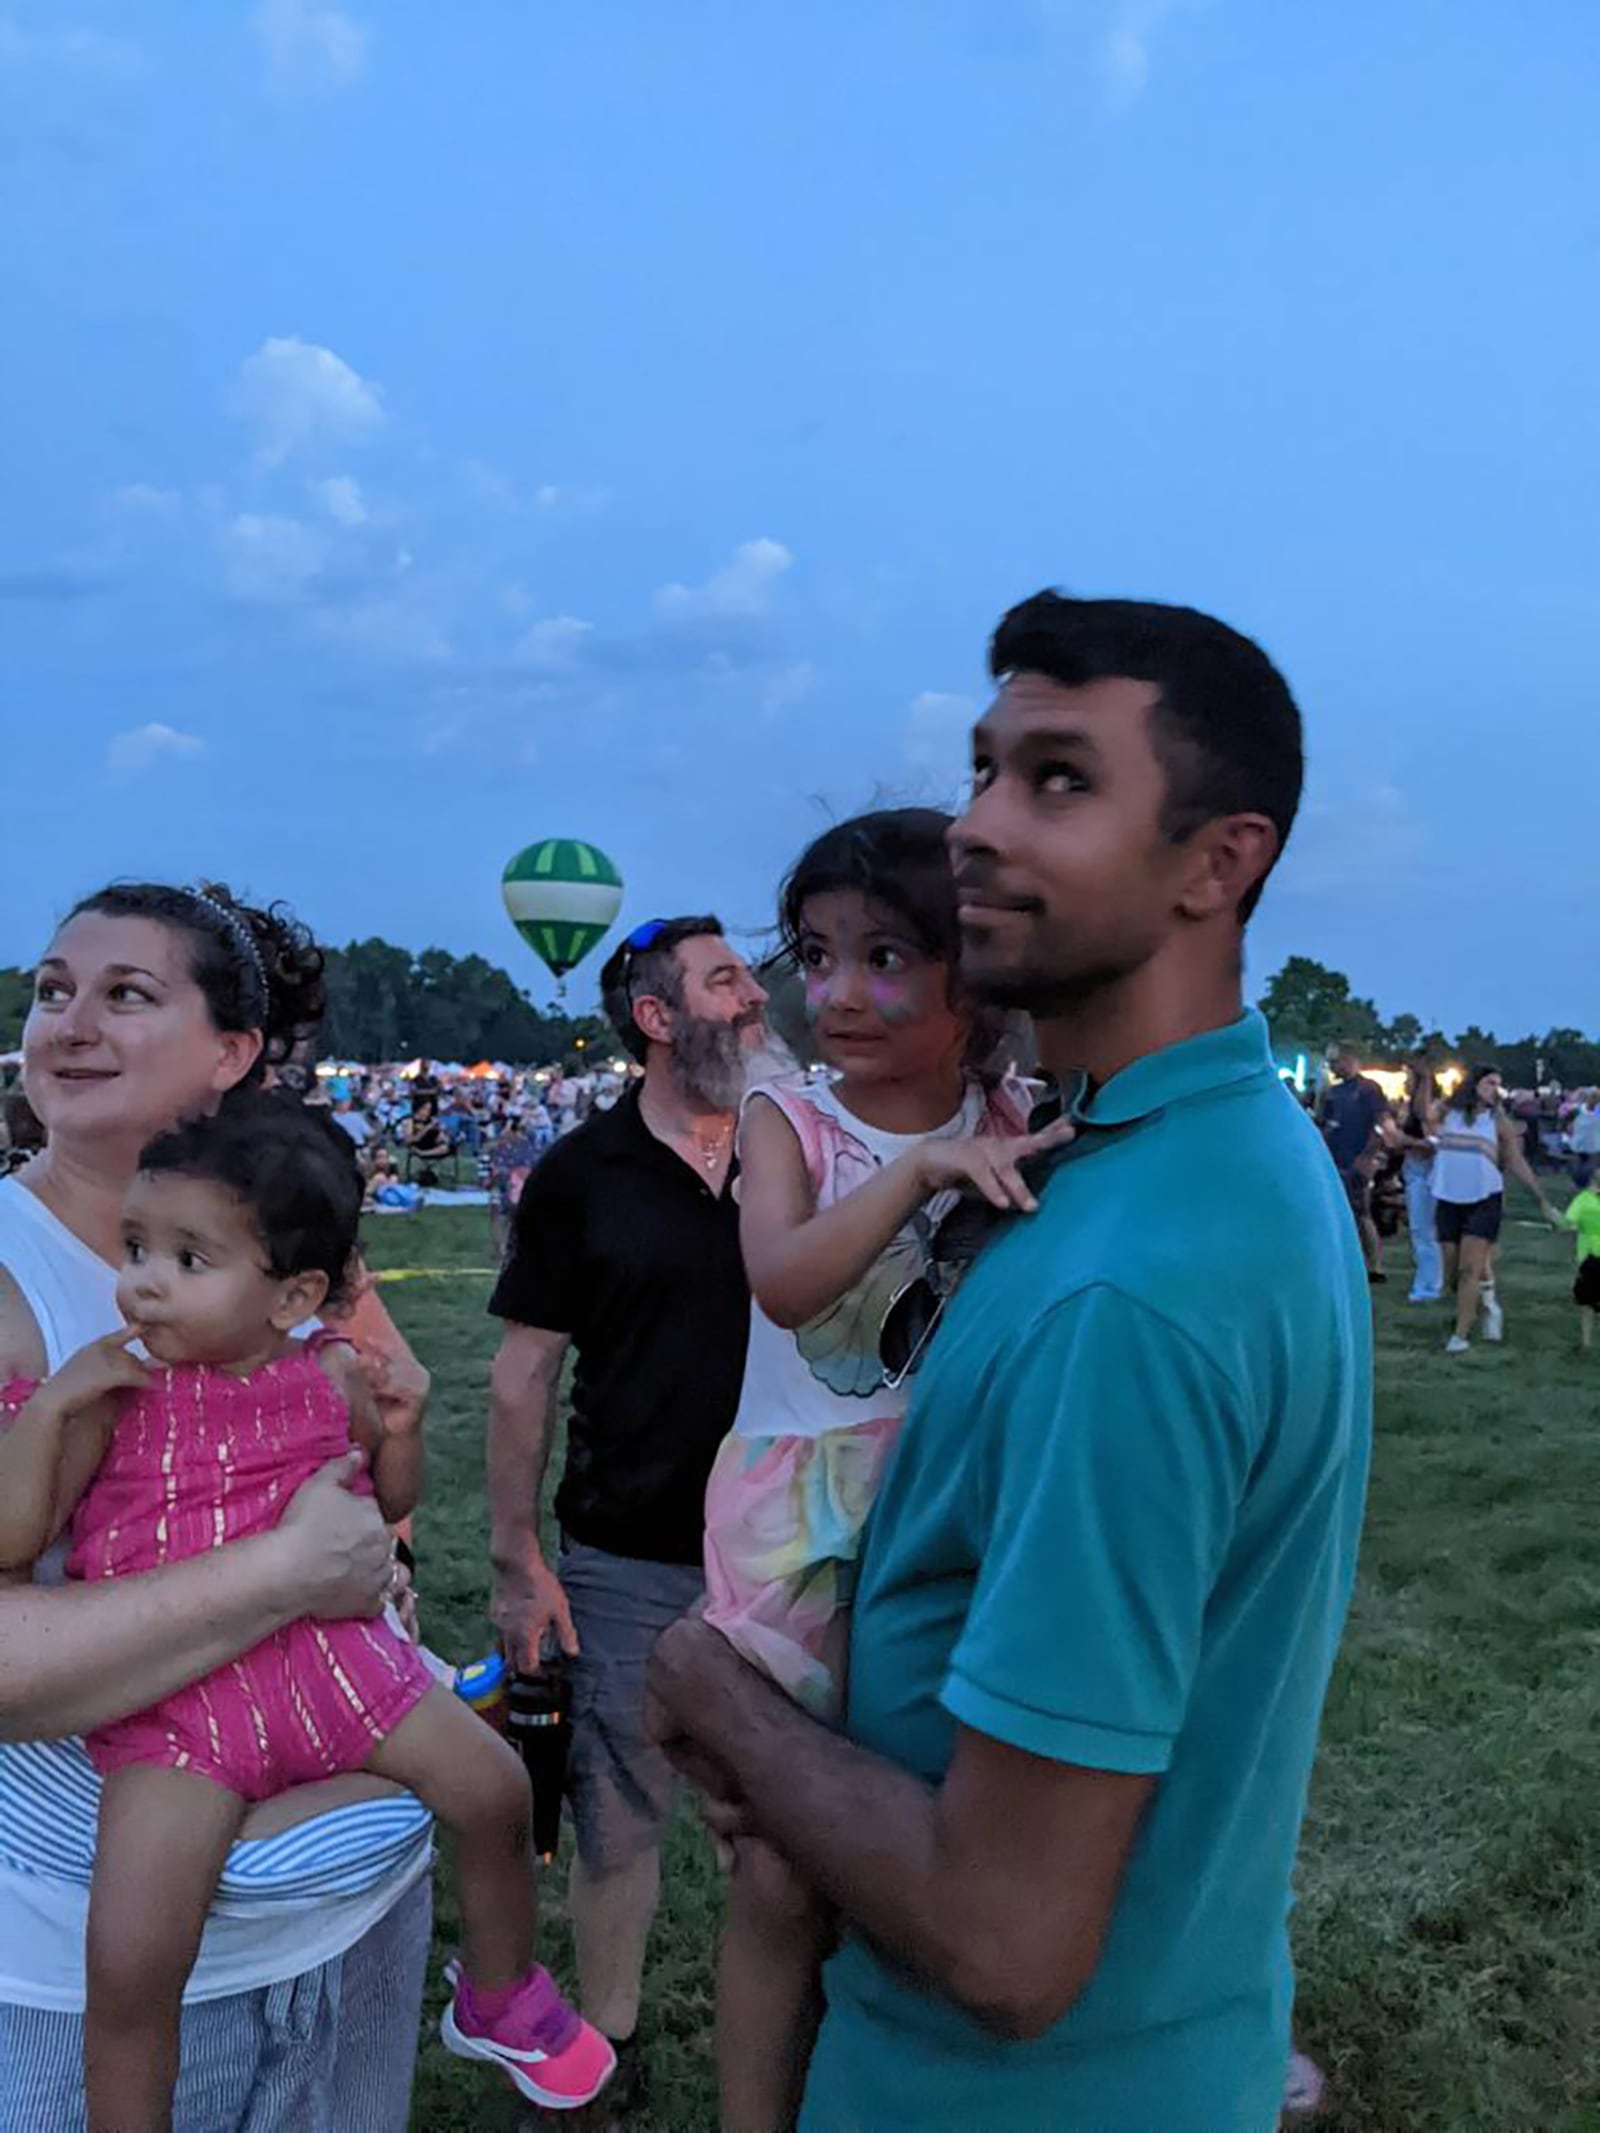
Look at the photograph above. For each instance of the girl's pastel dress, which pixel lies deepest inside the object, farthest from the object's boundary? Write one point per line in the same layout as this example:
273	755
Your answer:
820	1411
199	1458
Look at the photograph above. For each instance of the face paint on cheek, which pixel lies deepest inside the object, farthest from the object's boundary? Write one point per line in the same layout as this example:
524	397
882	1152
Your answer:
895	1002
818	993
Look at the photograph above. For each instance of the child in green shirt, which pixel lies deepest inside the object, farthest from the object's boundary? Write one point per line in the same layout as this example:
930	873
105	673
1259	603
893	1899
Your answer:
1583	1215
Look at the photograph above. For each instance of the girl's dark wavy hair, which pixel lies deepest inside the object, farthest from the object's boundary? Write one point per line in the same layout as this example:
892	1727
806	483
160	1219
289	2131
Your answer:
293	1168
897	857
219	933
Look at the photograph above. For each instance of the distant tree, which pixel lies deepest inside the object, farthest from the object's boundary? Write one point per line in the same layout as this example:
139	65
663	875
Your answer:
1570	1058
1402	1037
16	997
386	1003
1476	1044
1310	1006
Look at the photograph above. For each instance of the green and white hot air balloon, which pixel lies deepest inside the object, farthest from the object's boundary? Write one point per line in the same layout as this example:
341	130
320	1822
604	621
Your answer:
562	895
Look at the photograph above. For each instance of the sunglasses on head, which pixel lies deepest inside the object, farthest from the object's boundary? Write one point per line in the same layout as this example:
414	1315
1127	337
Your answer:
639	942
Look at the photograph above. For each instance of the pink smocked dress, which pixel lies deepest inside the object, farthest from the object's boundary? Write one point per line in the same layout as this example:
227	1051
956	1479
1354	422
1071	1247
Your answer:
199	1458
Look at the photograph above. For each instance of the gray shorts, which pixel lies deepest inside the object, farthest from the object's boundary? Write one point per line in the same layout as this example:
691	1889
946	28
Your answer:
620	1787
330	2052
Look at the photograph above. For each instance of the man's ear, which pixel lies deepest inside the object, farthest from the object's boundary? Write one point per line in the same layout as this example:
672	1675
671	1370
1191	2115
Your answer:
1228	857
653	1018
301	1297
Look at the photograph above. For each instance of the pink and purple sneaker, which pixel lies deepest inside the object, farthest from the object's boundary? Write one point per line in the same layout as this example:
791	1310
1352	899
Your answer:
539	2041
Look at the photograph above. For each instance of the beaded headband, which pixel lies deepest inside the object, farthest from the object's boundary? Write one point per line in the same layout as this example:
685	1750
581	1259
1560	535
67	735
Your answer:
243	939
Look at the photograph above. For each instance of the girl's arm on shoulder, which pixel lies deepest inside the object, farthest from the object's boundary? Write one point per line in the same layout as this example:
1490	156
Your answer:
394	1460
801	1258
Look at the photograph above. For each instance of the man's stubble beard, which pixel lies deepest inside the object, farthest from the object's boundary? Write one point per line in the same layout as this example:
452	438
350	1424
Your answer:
1046	994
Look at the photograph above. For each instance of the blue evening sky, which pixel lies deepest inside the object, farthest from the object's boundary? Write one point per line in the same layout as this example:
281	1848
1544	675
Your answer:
431	427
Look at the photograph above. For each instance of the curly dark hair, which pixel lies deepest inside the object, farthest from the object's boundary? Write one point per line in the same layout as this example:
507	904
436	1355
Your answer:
292	1167
259	968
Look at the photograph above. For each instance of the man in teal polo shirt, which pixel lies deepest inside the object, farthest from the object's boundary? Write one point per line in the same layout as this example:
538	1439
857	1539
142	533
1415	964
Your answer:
1106	1578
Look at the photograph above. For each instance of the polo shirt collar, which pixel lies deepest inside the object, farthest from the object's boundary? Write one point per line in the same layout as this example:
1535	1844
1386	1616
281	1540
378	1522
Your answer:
1214	1060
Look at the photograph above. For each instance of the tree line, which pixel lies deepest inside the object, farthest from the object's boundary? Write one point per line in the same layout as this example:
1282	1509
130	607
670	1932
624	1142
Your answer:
1308	1007
388	1003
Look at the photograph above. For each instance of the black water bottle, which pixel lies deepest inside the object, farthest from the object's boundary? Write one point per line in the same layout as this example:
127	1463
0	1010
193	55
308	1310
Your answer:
539	1726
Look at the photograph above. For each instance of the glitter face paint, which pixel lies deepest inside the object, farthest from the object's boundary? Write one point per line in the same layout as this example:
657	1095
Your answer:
894	997
878	1002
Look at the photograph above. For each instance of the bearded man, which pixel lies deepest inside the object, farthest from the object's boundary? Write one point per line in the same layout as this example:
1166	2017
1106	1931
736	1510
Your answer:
625	1249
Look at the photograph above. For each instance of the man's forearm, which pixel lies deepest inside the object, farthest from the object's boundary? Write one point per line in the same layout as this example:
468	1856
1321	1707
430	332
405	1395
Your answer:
77	1656
521	1431
862	1831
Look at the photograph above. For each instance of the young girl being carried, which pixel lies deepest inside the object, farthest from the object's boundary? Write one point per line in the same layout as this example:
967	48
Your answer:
847	1187
237	1229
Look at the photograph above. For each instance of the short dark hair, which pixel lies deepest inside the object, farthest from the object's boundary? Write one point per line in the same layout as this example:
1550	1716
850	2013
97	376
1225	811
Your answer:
258	967
655	972
293	1169
1225	727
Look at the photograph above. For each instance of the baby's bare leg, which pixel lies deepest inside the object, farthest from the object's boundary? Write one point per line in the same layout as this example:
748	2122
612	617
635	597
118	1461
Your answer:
478	1787
769	1996
163	1837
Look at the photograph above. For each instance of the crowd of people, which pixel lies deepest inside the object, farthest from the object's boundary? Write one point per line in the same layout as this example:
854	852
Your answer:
960	1492
1441	1159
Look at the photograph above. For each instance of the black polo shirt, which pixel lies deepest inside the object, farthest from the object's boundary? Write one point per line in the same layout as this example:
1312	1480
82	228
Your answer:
618	1243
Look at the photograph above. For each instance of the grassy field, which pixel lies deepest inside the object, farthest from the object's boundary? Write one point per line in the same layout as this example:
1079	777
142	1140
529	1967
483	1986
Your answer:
1449	1929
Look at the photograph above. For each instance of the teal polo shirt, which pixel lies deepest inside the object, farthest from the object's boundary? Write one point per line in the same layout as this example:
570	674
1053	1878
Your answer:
1120	1532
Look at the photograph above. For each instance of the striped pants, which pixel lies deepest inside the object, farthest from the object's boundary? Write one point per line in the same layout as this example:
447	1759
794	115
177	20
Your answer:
329	2052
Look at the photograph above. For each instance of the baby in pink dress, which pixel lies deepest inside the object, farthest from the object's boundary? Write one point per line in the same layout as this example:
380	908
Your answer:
238	1229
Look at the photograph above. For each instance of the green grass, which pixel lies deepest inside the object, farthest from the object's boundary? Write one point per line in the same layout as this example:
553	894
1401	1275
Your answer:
1448	1935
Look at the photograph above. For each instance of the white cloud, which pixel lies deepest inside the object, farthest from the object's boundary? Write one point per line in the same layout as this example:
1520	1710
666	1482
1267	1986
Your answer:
743	586
130	755
341	498
938	734
298	398
272	560
1125	48
308	50
554	643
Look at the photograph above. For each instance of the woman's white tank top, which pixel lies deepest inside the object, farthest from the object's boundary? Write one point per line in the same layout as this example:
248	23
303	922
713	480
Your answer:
71	1291
1465	1170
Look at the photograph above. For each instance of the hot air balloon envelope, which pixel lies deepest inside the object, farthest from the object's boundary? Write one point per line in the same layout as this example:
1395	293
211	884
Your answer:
562	896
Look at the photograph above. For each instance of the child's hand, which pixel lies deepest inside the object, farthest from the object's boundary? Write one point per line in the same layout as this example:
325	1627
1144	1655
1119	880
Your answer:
989	1167
104	1367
